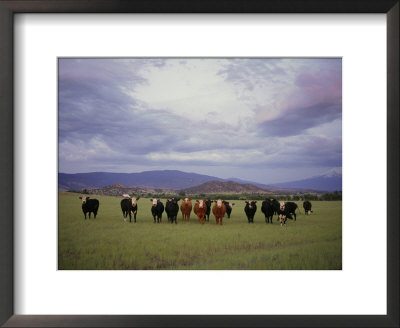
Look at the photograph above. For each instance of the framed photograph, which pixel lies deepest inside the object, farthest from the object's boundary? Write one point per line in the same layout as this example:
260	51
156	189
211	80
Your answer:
71	70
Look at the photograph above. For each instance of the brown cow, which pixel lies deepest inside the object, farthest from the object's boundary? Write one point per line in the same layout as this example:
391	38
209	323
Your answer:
186	208
200	209
219	210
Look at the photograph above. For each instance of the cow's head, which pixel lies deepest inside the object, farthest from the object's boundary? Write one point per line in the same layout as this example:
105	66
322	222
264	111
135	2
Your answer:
173	200
219	202
134	200
251	203
282	206
201	203
84	199
154	201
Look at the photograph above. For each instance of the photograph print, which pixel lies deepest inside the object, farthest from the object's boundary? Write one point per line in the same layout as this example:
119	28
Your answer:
199	163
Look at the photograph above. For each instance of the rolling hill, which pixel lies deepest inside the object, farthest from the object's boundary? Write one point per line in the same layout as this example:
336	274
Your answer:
222	187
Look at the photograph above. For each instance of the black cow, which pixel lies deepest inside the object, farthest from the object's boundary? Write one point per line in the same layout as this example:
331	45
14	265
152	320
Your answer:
275	205
307	207
250	209
89	206
157	209
129	206
207	216
268	209
229	206
172	209
291	208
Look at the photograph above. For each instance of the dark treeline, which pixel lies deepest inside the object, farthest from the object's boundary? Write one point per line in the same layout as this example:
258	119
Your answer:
329	196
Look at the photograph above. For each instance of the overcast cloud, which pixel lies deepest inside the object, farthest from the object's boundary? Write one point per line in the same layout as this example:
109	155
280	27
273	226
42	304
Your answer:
260	119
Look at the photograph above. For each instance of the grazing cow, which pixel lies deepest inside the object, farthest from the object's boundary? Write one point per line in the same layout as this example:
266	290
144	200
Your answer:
129	207
186	208
268	209
307	207
157	209
172	209
219	210
228	206
200	209
250	209
89	206
208	210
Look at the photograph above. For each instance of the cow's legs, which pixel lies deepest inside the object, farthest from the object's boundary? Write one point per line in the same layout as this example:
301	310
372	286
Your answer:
221	220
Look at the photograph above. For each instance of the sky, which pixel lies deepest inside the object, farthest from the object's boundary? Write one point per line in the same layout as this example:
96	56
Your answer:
266	120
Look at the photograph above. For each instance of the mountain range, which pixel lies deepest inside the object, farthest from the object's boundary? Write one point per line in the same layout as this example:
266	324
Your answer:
178	180
330	181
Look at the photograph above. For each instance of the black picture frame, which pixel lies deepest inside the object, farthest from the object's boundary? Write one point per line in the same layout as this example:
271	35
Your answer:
10	7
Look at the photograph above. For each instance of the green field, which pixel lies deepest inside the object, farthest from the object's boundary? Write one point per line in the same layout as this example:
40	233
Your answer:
108	243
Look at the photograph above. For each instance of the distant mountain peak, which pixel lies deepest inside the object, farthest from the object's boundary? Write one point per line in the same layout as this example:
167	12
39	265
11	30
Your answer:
334	172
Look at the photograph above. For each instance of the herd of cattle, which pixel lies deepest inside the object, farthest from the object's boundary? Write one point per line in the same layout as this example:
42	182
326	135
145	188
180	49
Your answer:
202	208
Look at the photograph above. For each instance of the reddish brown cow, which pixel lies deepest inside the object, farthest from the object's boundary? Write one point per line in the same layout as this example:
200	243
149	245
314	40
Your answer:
186	208
219	210
200	209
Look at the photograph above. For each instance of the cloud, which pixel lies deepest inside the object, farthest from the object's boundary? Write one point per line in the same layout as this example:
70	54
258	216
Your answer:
295	122
263	114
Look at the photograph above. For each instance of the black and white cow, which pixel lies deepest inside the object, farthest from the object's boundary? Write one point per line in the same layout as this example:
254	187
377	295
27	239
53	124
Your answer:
89	205
172	209
283	215
129	207
268	209
229	206
250	210
307	207
157	209
289	208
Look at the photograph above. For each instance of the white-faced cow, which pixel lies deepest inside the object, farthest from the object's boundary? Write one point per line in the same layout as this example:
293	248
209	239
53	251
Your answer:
200	209
157	209
219	210
89	205
250	210
129	207
282	214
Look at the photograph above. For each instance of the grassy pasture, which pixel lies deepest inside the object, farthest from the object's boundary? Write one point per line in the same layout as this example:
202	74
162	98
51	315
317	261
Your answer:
108	243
